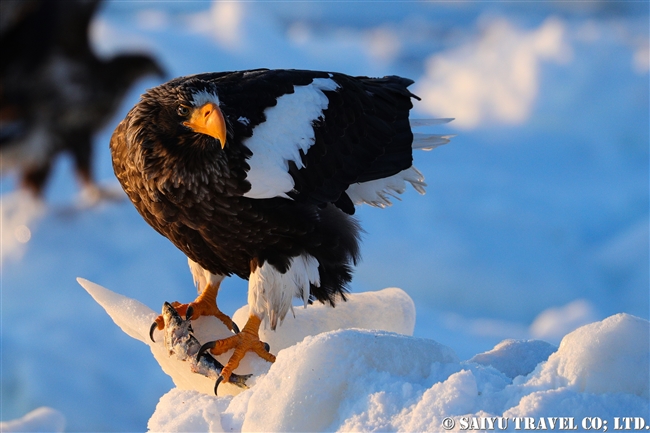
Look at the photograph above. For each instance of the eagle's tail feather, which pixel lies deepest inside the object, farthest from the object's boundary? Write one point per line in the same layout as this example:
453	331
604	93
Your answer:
418	123
429	141
424	141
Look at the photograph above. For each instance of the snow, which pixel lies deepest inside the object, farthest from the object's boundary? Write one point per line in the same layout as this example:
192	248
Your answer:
42	419
368	379
553	323
515	357
19	211
363	310
532	218
603	357
493	79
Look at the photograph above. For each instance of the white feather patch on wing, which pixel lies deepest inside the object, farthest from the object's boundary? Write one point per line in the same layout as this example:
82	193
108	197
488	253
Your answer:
379	192
202	277
270	292
288	129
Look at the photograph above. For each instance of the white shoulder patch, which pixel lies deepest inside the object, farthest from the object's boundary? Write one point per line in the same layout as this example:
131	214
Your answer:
378	192
270	292
288	129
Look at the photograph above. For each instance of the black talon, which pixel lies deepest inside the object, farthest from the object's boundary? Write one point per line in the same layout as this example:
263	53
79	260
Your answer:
189	313
267	347
154	325
216	385
235	328
207	346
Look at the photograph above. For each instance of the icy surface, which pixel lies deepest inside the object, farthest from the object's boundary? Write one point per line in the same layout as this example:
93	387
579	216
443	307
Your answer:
372	379
389	310
376	381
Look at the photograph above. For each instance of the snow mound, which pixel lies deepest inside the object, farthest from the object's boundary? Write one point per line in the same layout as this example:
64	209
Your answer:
328	379
43	419
600	368
603	357
515	357
188	411
332	371
387	310
377	381
335	368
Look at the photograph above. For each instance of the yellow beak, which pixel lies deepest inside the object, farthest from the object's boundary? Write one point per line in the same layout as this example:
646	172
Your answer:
208	120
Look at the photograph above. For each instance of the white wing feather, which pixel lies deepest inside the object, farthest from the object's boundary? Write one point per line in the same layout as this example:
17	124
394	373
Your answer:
288	129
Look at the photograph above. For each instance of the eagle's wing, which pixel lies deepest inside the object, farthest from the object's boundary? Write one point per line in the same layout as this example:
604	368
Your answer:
313	134
364	135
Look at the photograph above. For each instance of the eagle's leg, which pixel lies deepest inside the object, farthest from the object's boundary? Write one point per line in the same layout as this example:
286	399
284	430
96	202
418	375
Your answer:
204	305
248	340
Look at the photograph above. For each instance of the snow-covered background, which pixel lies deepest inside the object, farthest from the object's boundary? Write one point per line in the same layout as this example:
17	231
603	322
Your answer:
535	221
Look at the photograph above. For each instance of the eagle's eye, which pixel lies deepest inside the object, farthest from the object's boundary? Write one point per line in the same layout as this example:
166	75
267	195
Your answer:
183	110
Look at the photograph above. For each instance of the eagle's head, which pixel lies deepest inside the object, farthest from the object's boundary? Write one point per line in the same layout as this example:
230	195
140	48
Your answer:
183	113
175	135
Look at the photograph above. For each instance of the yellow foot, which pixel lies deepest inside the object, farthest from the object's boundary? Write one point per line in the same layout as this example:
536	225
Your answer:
204	305
248	340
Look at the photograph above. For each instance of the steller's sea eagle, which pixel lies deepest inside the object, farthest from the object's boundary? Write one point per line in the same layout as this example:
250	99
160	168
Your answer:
256	173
